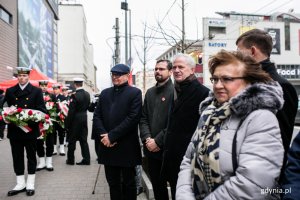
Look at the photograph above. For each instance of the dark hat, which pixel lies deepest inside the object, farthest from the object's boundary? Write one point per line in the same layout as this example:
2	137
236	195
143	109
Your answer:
120	69
56	86
78	80
1	91
23	70
43	82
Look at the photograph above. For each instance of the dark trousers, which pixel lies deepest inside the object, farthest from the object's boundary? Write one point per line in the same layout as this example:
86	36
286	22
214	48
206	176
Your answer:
121	181
58	130
82	138
159	186
97	146
49	146
17	149
170	174
2	127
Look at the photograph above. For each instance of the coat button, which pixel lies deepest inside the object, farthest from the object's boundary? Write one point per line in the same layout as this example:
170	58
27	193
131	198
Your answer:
16	105
27	98
16	98
25	105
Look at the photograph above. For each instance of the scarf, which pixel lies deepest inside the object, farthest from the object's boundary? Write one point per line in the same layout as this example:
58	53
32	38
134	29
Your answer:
205	162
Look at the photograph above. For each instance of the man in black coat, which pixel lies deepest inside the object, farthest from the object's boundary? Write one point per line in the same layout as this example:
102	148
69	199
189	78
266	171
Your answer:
76	124
58	130
153	124
116	121
188	95
258	44
26	96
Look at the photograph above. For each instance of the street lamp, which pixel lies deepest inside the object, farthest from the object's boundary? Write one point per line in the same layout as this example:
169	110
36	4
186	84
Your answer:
124	6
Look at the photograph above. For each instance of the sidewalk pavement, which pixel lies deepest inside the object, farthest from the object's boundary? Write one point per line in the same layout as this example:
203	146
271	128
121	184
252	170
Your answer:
65	182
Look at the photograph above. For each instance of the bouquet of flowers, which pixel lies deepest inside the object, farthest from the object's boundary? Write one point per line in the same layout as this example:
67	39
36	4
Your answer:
21	117
63	113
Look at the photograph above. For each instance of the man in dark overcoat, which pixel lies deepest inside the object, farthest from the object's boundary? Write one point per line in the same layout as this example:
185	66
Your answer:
76	124
116	121
188	95
26	96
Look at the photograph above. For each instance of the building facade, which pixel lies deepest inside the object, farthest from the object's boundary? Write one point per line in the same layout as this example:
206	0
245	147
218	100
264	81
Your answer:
75	53
221	33
28	36
150	80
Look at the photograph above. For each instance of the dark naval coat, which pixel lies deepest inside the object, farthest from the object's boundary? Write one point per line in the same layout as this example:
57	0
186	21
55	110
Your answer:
29	98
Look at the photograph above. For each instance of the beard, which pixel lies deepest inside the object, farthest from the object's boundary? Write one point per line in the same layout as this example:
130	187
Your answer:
160	78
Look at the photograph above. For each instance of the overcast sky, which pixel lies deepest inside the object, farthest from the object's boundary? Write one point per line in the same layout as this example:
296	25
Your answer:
101	16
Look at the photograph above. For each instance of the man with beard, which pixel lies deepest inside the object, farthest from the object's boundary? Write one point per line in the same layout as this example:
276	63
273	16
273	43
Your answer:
153	124
183	120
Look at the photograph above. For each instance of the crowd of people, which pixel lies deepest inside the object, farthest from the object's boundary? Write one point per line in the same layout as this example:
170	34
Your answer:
231	142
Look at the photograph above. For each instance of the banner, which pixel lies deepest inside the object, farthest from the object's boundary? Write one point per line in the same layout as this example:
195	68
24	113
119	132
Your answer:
275	34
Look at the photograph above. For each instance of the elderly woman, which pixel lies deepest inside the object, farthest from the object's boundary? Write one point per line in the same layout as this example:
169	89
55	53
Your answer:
236	151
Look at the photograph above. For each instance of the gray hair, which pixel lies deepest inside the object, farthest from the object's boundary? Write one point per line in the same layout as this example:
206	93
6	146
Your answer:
188	59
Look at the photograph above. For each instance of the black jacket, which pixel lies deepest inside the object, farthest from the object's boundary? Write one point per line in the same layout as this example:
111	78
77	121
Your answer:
286	116
118	113
29	98
76	121
183	122
154	120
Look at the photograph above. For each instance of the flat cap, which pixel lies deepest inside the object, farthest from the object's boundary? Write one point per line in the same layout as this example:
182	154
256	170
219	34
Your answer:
43	82
23	70
121	69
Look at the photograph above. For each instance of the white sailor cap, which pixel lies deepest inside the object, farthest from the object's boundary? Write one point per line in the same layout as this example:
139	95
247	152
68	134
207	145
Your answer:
78	80
23	70
65	88
43	82
56	86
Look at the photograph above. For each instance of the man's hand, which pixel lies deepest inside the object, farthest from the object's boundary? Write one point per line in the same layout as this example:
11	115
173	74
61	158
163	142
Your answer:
151	145
105	140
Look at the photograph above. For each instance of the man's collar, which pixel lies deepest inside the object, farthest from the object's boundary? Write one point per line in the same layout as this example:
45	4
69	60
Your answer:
23	86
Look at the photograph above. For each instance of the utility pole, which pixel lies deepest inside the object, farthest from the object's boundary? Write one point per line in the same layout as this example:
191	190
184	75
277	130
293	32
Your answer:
183	30
124	6
117	43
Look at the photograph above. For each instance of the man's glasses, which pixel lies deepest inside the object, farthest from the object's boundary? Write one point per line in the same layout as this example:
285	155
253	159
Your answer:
224	79
160	69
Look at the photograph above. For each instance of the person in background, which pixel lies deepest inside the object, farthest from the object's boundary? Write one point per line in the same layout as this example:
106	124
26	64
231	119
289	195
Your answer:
76	124
291	180
2	123
258	44
26	96
153	124
58	130
95	136
116	121
236	151
65	93
188	95
45	162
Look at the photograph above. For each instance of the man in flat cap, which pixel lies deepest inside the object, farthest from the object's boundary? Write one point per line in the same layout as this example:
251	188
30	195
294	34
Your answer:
45	162
60	131
115	122
76	124
24	95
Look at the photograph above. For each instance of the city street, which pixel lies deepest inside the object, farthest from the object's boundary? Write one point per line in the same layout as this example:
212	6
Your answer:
65	182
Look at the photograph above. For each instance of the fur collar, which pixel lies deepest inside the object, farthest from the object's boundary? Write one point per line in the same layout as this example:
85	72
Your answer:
256	96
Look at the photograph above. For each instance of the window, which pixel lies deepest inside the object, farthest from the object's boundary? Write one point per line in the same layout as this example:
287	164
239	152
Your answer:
5	16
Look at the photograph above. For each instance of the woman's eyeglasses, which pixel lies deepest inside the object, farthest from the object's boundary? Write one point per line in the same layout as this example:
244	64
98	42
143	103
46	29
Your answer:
224	79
